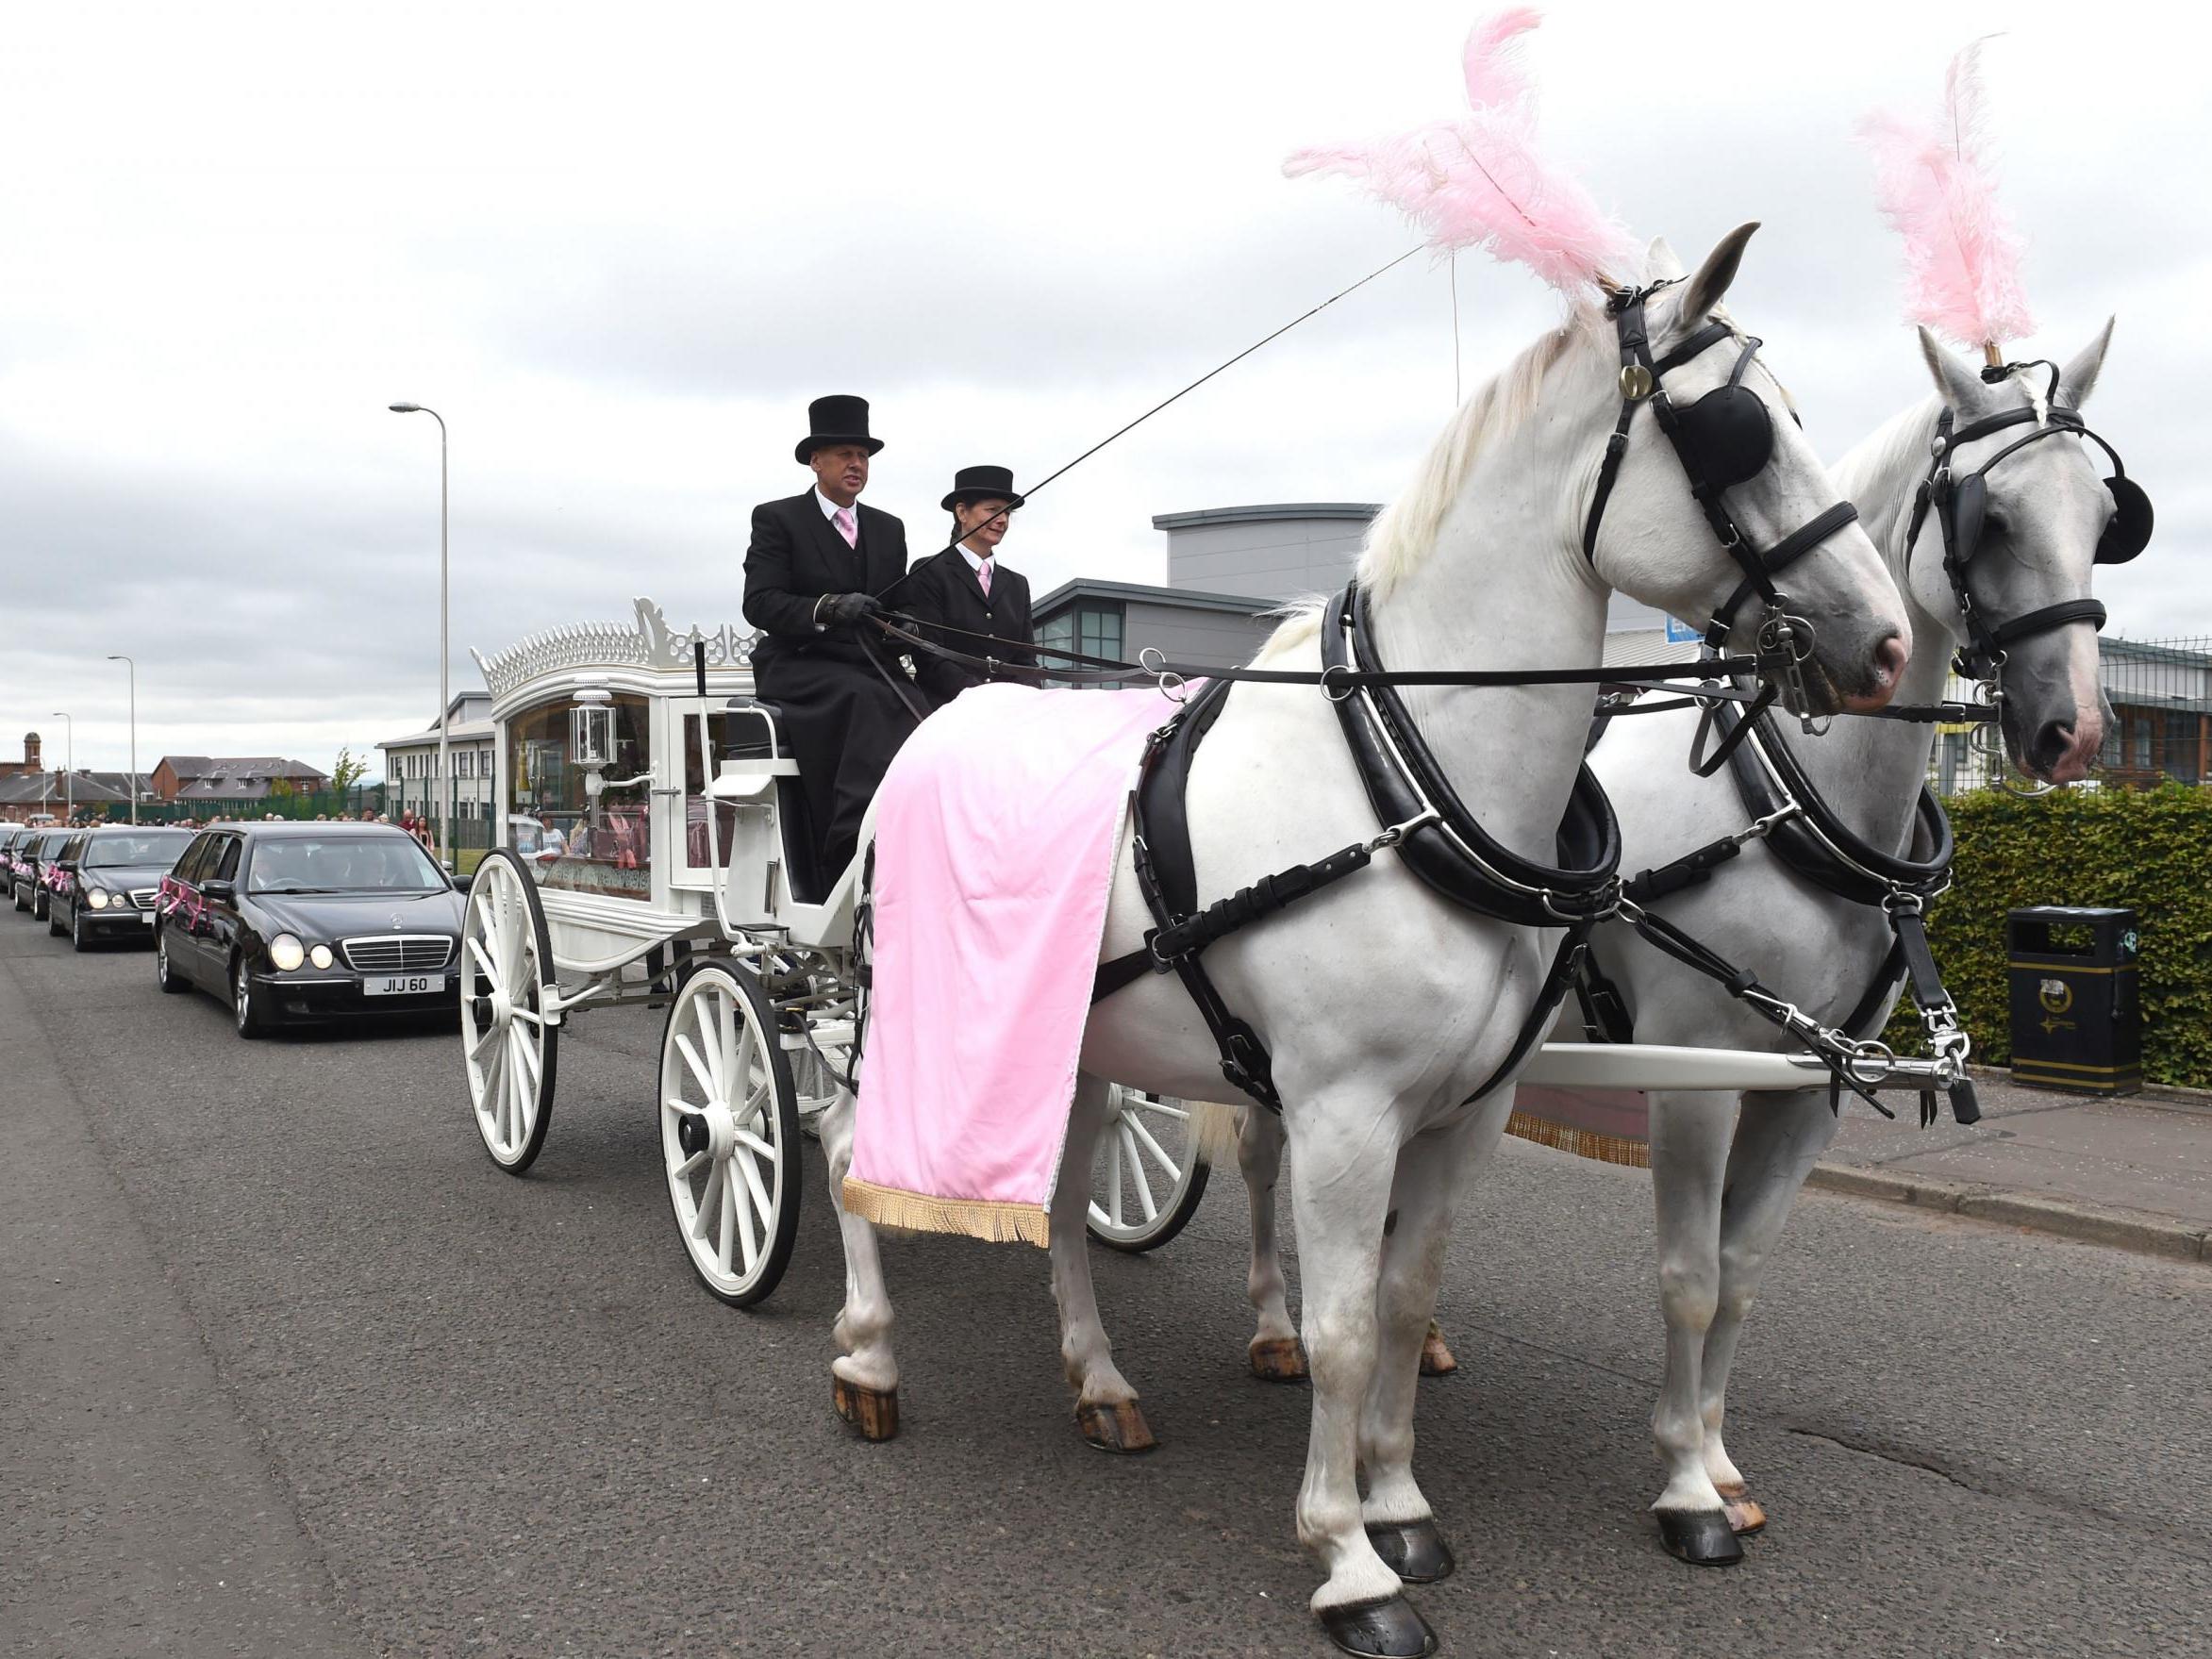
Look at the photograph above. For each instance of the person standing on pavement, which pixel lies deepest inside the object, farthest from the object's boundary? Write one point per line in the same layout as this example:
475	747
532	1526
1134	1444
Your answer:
965	588
815	561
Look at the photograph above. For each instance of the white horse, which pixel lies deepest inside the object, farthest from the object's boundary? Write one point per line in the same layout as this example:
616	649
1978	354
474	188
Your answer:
1727	1168
1384	1006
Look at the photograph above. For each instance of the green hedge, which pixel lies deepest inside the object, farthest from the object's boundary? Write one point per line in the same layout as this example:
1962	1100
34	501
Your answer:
2150	850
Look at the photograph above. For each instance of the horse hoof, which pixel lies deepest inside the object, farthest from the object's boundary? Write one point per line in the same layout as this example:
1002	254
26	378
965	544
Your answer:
1745	1516
1115	1428
1700	1536
1436	1354
1388	1629
1413	1549
873	1412
1278	1359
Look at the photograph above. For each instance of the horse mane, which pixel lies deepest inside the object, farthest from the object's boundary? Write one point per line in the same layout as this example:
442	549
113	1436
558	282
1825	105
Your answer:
1405	532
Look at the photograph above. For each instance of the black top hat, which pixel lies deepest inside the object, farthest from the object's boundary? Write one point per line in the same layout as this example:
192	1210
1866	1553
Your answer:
982	483
836	419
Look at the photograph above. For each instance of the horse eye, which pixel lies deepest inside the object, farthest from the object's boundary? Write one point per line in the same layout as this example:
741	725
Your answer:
1992	523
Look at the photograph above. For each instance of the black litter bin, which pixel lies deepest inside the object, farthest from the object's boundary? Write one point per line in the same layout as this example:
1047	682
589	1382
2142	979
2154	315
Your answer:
2078	1022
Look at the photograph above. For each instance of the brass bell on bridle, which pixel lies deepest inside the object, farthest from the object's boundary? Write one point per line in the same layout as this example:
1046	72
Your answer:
1636	382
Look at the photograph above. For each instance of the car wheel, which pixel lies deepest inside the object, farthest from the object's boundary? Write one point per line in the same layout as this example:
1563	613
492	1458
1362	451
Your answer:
246	1009
15	895
54	927
165	973
39	905
76	930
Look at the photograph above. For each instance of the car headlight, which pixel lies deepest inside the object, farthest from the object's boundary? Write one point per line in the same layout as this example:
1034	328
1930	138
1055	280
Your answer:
98	898
320	956
287	951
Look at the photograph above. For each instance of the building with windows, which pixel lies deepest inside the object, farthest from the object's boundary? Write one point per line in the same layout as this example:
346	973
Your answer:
410	769
250	777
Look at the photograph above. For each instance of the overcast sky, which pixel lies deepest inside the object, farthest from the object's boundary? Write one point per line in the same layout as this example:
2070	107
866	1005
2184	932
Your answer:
620	248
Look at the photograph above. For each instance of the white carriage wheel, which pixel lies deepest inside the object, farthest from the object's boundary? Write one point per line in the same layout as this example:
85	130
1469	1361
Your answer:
508	1050
1146	1177
729	1134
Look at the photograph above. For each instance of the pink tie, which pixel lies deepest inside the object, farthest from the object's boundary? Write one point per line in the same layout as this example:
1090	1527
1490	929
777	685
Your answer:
846	527
982	575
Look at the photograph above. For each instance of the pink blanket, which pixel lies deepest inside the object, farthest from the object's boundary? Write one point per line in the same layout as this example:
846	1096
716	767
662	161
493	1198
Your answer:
995	833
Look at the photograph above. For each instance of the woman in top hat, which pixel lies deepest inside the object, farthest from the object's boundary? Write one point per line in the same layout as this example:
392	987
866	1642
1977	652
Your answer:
815	562
965	588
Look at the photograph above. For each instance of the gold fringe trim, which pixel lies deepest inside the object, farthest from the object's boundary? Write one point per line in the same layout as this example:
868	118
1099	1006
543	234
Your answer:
992	1220
1583	1143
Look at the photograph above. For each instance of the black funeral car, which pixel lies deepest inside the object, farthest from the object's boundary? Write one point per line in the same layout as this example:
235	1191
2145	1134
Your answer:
11	837
299	921
35	856
106	880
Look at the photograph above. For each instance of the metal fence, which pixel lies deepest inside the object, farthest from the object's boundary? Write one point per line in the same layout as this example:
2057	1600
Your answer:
2161	728
322	804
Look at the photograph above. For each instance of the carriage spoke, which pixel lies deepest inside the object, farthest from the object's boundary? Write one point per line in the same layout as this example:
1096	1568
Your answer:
704	1216
1136	1172
710	1035
528	1017
729	1226
1133	1124
1114	1178
1137	1106
742	1208
689	1165
698	1068
736	1050
531	1063
490	973
477	1048
753	1143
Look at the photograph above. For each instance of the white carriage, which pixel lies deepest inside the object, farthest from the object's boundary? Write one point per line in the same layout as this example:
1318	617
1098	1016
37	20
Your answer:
650	847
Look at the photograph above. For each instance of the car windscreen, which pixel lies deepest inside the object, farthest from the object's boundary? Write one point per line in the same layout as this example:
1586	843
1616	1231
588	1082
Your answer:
50	846
342	864
161	847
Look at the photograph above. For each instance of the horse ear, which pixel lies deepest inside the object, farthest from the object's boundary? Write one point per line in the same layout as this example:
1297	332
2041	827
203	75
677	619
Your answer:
1660	263
1710	284
2079	377
1958	385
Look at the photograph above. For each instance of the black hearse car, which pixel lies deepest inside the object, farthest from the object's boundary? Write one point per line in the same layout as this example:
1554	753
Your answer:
309	921
34	869
107	879
12	835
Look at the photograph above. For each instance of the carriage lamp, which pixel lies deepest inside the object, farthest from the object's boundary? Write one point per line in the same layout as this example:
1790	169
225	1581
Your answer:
287	951
320	957
591	731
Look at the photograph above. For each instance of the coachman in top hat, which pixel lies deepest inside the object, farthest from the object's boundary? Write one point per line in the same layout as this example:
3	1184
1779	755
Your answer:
814	562
968	591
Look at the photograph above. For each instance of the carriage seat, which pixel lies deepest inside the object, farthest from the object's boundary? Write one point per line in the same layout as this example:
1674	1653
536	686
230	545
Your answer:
760	739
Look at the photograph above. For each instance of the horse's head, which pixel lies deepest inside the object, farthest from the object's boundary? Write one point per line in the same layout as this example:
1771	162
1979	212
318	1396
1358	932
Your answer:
1718	505
2023	514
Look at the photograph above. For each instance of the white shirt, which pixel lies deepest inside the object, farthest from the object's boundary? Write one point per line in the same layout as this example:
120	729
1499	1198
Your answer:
975	560
830	509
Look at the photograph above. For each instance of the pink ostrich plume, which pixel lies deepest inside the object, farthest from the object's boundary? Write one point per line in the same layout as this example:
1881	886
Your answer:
1481	180
1936	185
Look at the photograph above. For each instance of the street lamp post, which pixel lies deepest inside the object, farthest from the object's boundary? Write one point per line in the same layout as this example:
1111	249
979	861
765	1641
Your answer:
445	700
69	768
119	657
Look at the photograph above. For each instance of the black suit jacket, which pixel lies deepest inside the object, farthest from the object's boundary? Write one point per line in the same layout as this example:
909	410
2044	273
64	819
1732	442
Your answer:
942	590
796	555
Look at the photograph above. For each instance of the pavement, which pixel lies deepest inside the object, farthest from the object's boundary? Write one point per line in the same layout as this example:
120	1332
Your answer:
286	1366
2134	1172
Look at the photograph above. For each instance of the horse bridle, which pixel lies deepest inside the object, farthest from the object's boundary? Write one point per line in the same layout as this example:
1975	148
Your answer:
1724	439
1961	503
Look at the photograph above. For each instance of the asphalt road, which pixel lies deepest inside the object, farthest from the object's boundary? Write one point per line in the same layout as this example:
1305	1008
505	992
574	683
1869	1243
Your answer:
286	1366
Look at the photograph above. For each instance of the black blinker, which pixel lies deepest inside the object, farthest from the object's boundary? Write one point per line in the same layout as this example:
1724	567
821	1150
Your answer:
1729	432
2129	532
1969	500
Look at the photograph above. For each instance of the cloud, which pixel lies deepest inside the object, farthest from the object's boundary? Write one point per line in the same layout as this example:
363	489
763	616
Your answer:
619	252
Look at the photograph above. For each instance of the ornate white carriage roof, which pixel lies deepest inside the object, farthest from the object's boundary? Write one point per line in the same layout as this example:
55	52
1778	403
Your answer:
648	643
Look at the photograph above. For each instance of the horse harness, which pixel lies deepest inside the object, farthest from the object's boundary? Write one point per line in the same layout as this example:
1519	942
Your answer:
1803	832
1724	439
1961	502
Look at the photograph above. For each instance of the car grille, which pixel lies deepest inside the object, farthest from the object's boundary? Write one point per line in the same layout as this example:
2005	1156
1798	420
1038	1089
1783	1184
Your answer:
142	897
410	953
